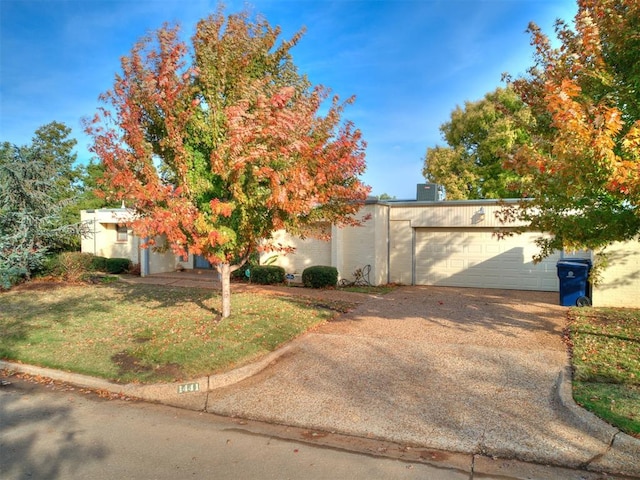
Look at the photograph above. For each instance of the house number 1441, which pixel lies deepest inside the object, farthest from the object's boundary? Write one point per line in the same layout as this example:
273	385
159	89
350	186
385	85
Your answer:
189	388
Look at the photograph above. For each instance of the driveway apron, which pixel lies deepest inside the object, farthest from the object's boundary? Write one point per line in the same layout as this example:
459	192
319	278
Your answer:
464	370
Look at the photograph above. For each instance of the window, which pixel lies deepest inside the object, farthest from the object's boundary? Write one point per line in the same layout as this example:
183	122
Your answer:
122	233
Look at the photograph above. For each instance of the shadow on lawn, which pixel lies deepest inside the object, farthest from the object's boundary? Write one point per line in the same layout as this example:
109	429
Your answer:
37	305
166	296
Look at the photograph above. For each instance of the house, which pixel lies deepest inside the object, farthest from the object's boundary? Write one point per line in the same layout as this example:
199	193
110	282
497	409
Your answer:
107	235
444	243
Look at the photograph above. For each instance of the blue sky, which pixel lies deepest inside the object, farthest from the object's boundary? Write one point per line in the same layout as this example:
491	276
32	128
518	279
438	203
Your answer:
408	62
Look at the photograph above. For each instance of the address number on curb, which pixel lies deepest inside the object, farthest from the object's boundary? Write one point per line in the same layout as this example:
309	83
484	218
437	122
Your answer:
189	388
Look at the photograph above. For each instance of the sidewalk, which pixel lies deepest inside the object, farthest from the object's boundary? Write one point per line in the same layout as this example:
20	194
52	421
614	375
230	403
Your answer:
472	374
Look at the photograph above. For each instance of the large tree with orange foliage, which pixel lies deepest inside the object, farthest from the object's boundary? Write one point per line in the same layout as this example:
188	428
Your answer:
581	171
218	146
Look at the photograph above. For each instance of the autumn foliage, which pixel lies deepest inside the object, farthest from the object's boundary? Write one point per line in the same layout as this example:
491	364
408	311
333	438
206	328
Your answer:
217	146
581	170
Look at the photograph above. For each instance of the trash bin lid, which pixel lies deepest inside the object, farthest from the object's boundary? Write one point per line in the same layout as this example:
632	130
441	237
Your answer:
571	264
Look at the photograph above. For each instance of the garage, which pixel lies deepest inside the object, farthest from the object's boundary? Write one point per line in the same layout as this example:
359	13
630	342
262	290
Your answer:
474	257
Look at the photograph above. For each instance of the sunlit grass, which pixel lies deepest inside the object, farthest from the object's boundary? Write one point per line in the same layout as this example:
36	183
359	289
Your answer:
606	360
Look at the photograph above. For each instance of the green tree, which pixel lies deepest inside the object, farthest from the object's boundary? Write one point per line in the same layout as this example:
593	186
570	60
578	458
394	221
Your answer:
480	137
55	148
386	196
93	192
581	167
33	195
219	153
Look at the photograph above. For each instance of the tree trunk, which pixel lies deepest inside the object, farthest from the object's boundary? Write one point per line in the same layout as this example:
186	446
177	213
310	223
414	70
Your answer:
225	279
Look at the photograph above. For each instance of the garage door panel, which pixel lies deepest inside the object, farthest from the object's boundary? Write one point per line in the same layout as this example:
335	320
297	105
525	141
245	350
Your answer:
473	258
474	249
436	249
492	249
456	265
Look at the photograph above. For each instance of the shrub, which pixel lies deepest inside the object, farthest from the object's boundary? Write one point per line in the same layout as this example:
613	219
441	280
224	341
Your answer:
241	273
118	265
320	276
75	266
267	274
99	264
49	266
72	266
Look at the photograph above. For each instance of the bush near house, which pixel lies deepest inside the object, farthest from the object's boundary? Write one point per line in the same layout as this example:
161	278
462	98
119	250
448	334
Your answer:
74	266
320	276
71	266
99	264
117	265
267	274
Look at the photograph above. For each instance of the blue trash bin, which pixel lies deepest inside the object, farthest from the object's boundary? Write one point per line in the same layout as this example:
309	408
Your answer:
589	264
574	282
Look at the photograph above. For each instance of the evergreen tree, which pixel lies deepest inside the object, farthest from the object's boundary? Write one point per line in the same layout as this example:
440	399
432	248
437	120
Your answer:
36	184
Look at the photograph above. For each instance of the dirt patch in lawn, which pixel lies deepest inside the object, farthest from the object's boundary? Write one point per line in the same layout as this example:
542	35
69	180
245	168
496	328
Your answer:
128	364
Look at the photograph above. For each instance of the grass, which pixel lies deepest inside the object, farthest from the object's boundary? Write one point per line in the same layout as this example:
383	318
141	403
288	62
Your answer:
148	333
606	359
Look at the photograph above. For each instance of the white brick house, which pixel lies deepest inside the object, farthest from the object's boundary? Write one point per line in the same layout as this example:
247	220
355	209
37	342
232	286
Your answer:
413	243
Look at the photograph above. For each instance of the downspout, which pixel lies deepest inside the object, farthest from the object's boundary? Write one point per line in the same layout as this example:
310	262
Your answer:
388	243
413	256
336	248
95	232
144	264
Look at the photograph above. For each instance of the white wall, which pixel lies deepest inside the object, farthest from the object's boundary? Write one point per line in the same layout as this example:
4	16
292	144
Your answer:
401	252
356	247
101	238
385	241
161	261
620	281
347	249
308	252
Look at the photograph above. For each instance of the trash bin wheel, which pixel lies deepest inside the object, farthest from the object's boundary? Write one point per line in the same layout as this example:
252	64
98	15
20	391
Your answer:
583	302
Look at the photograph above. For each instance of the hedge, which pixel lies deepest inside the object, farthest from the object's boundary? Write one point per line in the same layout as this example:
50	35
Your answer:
267	274
117	265
320	276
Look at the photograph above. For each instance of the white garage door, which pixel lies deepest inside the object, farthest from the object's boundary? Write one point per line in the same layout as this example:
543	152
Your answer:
475	258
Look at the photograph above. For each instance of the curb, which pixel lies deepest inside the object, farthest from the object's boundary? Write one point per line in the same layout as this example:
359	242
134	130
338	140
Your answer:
191	394
622	455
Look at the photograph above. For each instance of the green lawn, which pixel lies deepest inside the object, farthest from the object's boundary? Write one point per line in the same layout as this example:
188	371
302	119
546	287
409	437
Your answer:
606	360
147	333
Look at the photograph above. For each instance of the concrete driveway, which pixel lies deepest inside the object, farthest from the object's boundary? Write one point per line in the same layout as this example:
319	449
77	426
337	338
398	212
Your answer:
462	370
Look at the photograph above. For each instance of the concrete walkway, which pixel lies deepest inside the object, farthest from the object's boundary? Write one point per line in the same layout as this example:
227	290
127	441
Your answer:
479	372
